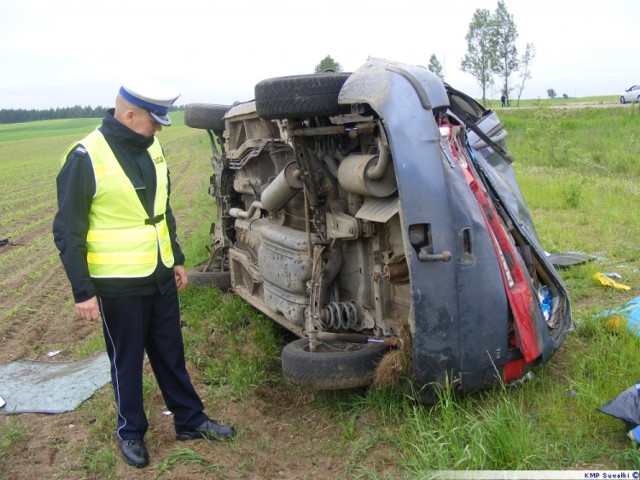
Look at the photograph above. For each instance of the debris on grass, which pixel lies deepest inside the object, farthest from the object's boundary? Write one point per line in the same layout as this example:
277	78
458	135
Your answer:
396	364
609	282
627	316
626	407
614	275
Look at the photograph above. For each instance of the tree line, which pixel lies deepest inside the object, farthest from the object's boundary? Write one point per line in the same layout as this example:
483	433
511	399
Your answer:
21	115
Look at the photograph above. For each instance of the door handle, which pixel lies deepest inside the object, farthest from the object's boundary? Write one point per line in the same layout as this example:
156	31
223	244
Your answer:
425	256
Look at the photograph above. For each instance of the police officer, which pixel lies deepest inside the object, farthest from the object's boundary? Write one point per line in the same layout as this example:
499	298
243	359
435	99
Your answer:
117	240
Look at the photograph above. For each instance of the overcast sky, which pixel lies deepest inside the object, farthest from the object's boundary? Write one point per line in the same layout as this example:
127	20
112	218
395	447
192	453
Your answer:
60	53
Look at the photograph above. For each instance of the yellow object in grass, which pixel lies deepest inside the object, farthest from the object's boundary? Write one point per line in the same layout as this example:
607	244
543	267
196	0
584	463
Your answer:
609	282
616	322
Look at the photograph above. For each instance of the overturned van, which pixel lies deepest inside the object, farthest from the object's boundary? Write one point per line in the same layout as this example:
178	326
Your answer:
374	212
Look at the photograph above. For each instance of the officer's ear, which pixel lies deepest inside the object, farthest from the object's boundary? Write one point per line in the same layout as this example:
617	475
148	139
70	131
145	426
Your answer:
129	115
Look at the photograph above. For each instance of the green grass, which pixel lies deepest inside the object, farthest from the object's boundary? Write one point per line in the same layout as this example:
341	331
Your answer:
542	102
186	456
579	171
61	127
586	140
47	128
234	347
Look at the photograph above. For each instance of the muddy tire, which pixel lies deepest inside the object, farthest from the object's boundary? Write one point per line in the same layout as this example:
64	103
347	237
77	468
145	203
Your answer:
301	96
199	277
205	116
337	366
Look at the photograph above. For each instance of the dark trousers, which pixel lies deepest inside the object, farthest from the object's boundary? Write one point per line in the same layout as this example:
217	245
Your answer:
132	325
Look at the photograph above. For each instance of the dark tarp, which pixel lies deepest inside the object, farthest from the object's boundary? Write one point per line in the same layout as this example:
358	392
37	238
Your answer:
51	387
625	407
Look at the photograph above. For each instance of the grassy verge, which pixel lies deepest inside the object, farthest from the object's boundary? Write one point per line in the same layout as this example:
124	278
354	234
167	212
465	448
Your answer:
558	101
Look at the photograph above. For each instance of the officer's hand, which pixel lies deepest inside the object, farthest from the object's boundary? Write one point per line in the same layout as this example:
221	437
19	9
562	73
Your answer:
180	275
89	309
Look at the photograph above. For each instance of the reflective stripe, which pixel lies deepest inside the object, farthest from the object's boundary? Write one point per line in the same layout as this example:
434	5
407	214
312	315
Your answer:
120	258
121	235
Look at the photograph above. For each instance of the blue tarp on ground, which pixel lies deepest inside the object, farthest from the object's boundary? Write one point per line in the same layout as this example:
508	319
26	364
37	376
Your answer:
625	406
629	314
51	387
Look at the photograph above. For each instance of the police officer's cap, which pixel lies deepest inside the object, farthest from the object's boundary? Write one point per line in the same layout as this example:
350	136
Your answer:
156	99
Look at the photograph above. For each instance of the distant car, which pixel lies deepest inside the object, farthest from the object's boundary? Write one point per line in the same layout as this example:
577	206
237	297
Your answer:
631	94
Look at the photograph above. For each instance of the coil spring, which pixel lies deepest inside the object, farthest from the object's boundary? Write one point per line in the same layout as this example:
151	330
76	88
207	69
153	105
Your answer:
341	316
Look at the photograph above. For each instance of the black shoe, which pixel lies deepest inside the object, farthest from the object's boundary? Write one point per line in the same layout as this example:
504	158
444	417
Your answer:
134	452
209	430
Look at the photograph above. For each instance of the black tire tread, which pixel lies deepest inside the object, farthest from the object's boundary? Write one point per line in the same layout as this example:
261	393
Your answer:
329	371
205	116
300	96
329	382
197	277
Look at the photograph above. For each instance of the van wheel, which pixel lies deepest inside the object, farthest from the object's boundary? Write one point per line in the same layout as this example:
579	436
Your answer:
205	116
336	366
201	276
301	96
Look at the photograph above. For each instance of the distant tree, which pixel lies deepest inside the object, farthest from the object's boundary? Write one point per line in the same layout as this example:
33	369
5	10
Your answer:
328	64
21	115
435	66
480	59
551	93
525	65
565	96
503	37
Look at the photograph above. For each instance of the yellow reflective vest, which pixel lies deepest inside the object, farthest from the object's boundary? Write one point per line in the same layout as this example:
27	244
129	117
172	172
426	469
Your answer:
122	241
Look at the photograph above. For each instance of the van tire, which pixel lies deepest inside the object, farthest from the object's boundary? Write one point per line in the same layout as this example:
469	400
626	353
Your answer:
301	96
205	116
199	276
339	365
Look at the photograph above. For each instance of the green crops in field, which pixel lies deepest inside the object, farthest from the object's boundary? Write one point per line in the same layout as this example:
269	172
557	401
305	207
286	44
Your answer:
588	140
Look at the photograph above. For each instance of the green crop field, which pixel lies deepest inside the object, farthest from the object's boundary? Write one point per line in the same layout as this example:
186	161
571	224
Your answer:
579	170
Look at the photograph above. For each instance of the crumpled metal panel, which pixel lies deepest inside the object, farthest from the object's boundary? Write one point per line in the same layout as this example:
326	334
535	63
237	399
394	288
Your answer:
460	312
378	209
